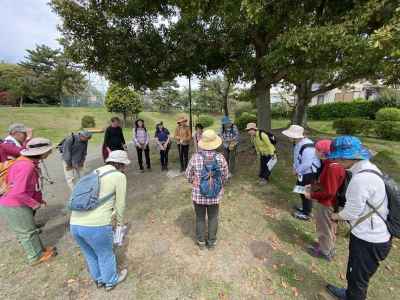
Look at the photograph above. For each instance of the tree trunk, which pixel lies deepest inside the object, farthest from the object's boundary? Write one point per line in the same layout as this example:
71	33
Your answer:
125	117
263	103
226	109
21	101
299	113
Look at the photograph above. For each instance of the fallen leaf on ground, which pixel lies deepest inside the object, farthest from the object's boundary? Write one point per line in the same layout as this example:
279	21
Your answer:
284	284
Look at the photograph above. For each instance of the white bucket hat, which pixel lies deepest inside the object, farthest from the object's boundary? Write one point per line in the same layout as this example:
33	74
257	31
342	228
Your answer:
118	156
294	132
37	146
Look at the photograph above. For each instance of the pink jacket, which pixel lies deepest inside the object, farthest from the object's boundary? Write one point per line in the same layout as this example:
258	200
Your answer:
9	149
23	178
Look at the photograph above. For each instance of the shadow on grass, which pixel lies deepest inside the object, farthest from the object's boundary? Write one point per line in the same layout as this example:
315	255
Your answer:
186	222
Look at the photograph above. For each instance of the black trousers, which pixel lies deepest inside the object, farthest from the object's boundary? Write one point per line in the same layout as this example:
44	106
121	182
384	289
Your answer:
140	156
164	157
264	171
183	156
364	260
211	211
306	203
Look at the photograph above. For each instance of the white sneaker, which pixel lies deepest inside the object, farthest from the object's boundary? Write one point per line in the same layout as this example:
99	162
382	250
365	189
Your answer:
121	277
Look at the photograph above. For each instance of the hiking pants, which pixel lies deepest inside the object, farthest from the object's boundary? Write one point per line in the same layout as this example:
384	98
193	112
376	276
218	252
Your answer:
306	180
364	260
72	176
140	156
20	221
96	243
164	158
264	171
183	156
326	229
211	211
230	157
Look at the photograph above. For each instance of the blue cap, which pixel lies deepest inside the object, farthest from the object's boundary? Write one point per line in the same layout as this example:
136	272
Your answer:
225	120
348	147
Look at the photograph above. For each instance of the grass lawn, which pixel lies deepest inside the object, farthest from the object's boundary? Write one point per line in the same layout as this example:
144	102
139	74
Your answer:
261	248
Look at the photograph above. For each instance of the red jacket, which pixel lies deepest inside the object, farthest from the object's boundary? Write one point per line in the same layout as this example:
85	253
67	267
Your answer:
331	179
9	150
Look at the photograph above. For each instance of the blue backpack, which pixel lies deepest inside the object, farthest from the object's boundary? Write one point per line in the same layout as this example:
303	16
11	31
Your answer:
85	195
210	178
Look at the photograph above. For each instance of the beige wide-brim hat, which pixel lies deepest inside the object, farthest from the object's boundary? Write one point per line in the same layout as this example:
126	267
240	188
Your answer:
37	146
181	120
251	126
294	132
118	156
210	140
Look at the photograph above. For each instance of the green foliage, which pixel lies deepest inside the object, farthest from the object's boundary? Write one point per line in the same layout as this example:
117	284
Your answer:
16	80
244	107
388	114
353	126
241	122
280	111
336	110
389	130
206	121
123	100
88	122
166	97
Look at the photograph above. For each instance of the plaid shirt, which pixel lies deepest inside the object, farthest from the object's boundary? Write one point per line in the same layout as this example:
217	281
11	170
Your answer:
229	135
193	173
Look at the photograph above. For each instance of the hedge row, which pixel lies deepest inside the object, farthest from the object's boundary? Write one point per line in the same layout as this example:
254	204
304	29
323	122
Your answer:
241	122
336	110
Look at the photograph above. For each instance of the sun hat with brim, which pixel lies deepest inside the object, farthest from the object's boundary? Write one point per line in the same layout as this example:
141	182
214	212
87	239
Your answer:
210	140
181	120
251	126
17	127
294	132
37	146
226	120
348	147
118	156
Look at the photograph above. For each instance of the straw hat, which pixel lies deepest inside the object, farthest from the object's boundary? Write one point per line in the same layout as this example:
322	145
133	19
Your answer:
251	126
294	132
118	156
37	146
210	140
181	119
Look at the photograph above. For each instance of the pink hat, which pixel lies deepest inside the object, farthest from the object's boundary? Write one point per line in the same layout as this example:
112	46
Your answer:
324	146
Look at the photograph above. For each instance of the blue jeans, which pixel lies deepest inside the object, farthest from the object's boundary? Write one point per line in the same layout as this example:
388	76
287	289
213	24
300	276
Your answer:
96	244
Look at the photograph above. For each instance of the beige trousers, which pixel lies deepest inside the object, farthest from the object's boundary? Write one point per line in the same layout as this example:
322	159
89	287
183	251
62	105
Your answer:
326	229
72	176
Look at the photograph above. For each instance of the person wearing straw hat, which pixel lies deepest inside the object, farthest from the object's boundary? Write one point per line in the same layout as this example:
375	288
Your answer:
264	148
93	230
183	138
24	196
204	205
74	155
230	137
366	209
306	166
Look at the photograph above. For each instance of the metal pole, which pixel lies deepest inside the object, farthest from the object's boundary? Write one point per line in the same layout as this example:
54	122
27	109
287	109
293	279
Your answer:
190	106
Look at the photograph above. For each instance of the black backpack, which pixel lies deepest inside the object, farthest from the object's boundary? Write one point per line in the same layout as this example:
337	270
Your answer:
60	145
341	193
271	136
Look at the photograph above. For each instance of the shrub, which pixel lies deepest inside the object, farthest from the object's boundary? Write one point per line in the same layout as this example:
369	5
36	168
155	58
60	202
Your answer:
389	130
337	110
245	118
88	122
354	126
206	121
243	107
388	114
280	111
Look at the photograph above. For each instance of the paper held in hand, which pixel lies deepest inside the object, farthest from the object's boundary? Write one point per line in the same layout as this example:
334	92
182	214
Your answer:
119	234
272	162
298	189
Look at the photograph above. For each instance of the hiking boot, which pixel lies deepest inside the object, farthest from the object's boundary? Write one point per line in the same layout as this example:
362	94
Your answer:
47	254
316	252
121	277
301	216
338	293
202	245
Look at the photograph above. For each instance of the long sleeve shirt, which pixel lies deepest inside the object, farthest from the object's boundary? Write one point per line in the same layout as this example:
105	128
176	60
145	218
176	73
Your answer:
262	144
9	151
229	135
331	179
74	151
193	174
114	138
141	137
307	162
365	187
182	135
111	183
23	180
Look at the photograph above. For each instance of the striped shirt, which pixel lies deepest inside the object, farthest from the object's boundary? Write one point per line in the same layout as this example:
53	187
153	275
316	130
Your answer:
193	174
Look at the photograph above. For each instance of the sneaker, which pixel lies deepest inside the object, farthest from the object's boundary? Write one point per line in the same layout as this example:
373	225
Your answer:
99	284
298	208
121	277
262	181
338	293
211	245
141	170
202	245
47	254
301	216
316	252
